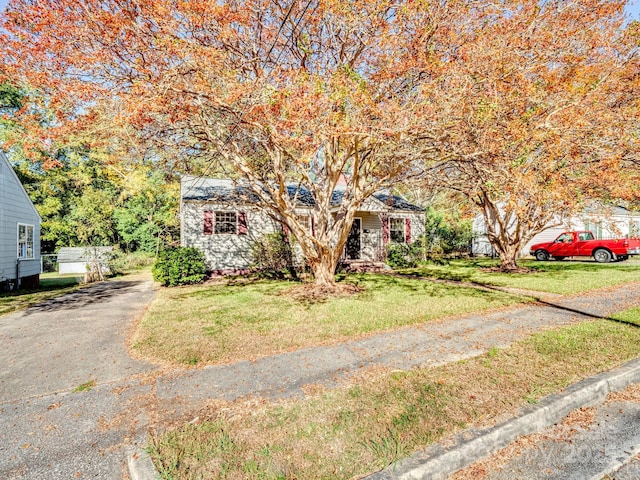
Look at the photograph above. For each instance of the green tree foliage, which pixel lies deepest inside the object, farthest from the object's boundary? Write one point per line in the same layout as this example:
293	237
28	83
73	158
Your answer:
11	98
82	203
87	192
446	232
147	217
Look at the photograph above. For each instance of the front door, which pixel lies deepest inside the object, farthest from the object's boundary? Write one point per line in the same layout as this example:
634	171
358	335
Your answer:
354	242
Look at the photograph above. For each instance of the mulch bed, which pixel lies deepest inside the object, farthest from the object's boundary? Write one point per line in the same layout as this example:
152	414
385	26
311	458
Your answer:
309	292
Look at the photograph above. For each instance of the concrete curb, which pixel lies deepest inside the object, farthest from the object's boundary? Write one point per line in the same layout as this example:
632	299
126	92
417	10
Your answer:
616	465
140	465
438	462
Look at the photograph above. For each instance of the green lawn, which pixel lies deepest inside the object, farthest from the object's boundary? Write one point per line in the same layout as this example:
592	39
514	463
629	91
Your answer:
51	285
381	417
554	277
228	322
225	322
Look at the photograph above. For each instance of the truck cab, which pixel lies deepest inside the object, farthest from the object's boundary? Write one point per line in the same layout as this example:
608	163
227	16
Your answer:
584	244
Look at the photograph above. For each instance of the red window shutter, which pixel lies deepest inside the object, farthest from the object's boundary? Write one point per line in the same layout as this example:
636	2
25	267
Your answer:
313	226
242	223
407	231
208	222
385	229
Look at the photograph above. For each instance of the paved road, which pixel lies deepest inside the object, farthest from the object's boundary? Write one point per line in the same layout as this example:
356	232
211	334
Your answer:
48	431
591	443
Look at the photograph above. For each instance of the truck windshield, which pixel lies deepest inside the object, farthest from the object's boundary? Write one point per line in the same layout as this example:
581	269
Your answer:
565	237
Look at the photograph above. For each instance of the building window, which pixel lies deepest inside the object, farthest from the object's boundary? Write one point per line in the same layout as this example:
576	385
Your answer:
305	222
226	223
25	241
397	230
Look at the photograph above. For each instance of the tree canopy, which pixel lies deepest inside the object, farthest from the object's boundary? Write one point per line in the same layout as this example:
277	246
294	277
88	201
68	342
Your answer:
529	114
515	104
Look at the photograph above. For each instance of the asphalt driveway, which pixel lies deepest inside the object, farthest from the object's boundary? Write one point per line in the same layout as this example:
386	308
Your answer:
50	426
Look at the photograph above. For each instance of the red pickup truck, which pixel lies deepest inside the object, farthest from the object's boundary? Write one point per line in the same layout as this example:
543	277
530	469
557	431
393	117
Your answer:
583	244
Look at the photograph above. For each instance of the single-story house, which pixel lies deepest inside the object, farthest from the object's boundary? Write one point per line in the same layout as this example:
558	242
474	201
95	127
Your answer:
216	218
20	264
79	259
605	223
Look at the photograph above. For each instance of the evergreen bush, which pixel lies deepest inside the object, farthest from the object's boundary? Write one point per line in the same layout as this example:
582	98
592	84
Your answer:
179	266
402	255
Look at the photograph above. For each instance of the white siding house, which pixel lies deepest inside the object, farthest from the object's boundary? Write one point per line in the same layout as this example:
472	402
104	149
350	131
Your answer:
19	232
215	219
613	222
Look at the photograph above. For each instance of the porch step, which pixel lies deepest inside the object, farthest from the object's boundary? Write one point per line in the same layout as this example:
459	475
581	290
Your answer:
360	266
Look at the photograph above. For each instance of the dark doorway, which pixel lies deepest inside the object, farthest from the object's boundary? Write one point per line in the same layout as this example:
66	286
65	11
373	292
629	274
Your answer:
354	242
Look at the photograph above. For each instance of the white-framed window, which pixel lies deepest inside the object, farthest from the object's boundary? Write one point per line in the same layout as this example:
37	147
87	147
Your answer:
305	222
397	230
225	223
25	241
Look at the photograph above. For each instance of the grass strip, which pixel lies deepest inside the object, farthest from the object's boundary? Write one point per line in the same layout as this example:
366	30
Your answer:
211	324
384	416
566	277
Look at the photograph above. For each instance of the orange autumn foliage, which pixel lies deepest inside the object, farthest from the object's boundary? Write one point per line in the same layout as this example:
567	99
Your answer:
528	116
270	92
514	104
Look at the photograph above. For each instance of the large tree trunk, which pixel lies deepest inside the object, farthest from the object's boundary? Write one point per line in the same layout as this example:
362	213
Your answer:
323	258
324	270
507	231
508	257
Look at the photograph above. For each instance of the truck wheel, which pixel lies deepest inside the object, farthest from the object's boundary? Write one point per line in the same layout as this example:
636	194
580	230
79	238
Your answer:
542	255
602	256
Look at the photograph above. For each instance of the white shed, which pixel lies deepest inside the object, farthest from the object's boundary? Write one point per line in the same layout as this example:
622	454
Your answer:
78	259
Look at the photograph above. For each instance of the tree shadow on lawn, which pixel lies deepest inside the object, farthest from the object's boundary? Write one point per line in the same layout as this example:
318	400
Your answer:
479	273
416	284
233	286
478	288
582	313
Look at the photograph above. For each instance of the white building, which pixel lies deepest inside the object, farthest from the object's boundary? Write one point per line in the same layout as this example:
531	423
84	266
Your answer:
605	223
216	217
19	232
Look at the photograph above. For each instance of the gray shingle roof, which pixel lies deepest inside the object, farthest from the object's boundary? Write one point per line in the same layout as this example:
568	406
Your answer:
226	191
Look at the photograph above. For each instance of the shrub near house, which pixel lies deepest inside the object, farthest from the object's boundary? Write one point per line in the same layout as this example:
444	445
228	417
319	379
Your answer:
179	266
